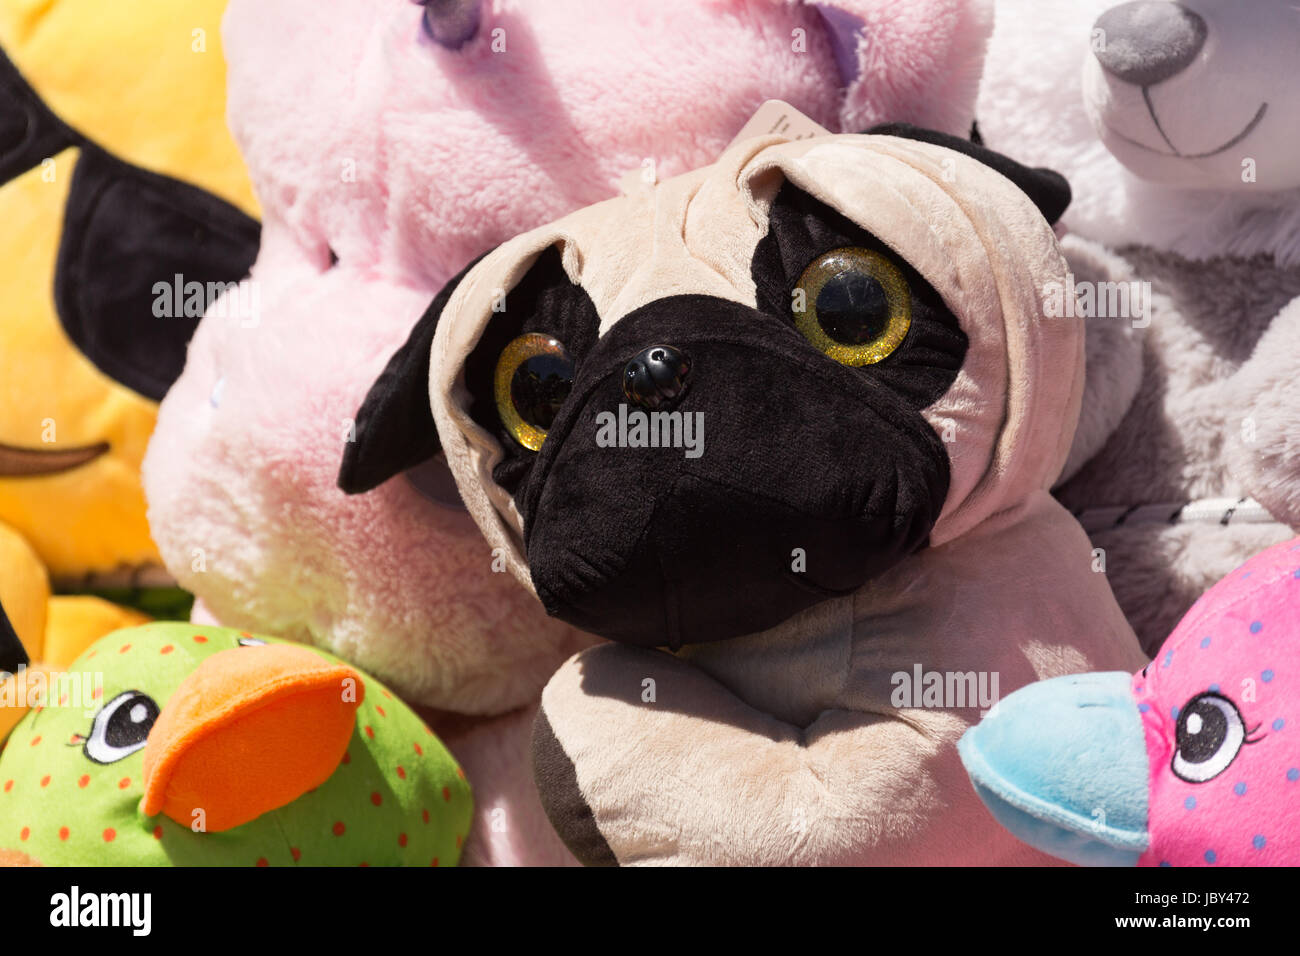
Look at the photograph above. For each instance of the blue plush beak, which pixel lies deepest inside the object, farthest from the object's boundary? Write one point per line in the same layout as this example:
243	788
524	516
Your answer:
1062	764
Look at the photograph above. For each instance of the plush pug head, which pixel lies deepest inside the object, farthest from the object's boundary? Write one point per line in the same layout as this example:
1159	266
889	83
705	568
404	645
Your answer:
690	412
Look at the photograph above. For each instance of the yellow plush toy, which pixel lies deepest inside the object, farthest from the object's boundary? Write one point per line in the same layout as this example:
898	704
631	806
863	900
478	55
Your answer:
118	179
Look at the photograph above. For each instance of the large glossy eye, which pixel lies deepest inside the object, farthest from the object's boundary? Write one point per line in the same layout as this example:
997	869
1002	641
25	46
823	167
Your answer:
1209	735
533	378
121	727
854	305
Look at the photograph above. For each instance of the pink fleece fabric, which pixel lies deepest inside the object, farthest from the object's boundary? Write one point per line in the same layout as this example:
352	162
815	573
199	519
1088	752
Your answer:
1241	640
369	144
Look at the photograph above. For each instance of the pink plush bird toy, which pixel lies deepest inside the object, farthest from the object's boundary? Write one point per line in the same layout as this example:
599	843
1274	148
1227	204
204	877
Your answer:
1192	761
389	144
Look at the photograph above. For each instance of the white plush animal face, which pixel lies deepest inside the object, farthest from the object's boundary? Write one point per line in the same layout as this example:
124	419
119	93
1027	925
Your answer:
1199	93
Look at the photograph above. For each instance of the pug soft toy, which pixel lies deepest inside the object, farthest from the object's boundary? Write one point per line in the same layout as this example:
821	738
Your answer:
792	416
1176	124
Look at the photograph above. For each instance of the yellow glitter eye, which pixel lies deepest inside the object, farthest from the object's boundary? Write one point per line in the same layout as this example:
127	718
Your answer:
854	305
533	377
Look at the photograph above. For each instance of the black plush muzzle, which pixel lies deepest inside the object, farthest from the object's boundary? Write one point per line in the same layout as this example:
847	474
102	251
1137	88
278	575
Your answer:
803	480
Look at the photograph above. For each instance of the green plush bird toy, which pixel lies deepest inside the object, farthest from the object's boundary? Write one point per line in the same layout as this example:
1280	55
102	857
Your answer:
175	745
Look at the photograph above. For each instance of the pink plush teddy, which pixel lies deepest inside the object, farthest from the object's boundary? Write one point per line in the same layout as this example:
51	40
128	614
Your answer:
1192	761
390	143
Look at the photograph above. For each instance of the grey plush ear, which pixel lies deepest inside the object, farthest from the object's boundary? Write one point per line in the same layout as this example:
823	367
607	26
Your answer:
12	653
394	426
1049	190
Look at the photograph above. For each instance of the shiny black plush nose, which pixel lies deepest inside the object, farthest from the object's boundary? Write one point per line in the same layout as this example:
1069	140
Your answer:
656	376
1149	40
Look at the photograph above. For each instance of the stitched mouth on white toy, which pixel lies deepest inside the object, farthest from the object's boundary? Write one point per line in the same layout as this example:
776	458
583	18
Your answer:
1146	98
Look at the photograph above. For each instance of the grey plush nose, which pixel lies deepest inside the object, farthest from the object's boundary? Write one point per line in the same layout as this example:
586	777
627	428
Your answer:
1149	40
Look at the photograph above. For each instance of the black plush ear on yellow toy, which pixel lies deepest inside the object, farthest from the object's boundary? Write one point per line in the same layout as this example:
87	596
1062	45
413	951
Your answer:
29	132
12	653
125	231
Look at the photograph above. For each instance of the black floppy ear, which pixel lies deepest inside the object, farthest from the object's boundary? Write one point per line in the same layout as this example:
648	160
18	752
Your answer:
394	426
129	234
12	653
1048	189
29	132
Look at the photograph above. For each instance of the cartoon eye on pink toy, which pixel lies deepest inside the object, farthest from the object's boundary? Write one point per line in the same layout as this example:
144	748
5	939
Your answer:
1194	760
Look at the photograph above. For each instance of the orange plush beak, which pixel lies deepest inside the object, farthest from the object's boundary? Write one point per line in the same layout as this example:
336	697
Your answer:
249	731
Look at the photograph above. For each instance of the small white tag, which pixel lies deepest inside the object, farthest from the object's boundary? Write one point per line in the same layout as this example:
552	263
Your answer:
778	118
638	180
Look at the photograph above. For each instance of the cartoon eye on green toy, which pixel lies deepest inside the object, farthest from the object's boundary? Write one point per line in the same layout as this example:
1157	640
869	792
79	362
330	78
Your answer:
121	728
169	744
